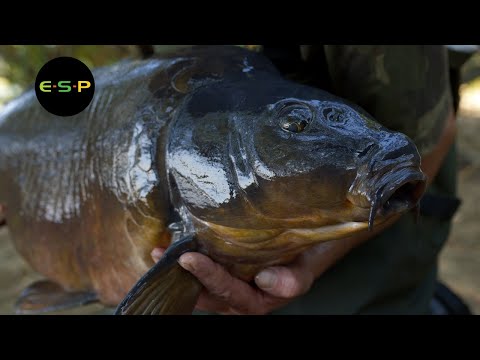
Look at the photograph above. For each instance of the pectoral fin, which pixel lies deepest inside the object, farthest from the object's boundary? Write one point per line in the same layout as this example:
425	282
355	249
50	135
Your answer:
167	288
43	296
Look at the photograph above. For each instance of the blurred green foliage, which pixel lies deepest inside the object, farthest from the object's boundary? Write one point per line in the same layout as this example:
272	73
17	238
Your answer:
20	64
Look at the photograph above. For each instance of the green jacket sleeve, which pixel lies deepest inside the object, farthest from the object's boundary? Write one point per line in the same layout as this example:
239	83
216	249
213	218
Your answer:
405	87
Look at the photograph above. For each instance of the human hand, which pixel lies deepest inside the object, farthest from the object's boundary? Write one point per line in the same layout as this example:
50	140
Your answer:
278	285
275	286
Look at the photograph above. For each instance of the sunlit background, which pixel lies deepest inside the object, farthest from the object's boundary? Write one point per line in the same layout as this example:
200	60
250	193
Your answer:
459	261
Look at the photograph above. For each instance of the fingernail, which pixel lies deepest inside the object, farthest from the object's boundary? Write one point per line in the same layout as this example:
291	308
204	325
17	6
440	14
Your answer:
266	279
186	262
156	254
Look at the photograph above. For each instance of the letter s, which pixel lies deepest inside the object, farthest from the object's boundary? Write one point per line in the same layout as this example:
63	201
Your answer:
62	86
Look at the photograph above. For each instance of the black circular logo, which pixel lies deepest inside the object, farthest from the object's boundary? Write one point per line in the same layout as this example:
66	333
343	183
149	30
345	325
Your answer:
64	86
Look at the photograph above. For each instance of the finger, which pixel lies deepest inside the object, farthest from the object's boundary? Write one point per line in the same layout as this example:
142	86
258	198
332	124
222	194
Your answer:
241	297
297	278
205	302
157	253
211	303
285	282
208	302
321	257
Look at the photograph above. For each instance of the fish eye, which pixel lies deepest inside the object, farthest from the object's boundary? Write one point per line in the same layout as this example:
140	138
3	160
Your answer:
295	118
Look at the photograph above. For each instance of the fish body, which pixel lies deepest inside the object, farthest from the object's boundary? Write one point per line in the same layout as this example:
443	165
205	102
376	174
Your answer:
209	141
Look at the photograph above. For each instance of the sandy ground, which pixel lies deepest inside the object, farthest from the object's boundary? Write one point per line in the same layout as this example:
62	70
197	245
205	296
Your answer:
459	261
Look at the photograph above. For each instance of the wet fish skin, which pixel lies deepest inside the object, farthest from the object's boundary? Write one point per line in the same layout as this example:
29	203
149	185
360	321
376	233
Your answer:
212	138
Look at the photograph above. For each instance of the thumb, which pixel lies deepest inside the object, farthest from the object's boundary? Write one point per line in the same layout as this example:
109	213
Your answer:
284	282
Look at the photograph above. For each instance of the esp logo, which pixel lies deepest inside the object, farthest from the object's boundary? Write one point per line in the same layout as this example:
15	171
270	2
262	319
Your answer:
64	86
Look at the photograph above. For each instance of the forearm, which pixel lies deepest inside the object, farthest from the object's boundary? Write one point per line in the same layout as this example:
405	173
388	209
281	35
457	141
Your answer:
432	161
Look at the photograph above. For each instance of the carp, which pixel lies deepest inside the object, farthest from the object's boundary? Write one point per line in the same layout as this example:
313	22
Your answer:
206	149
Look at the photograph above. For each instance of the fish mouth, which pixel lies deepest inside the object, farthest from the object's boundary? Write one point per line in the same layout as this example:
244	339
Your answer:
399	190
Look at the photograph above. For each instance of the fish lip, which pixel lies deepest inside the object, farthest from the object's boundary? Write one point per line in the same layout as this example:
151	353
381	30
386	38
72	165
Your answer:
392	182
397	188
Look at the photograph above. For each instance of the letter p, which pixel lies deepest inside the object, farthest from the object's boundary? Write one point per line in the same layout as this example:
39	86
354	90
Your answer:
83	85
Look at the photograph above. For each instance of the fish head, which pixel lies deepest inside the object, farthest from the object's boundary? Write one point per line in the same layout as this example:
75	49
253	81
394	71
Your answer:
330	161
284	156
